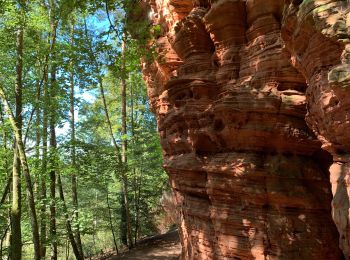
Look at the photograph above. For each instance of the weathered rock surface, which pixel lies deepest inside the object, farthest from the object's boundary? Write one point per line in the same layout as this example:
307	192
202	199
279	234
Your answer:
246	93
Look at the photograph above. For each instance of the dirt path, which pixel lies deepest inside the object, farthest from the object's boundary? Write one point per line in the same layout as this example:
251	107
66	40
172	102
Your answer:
159	247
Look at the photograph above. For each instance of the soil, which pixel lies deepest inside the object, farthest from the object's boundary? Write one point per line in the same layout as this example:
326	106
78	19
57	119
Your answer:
158	247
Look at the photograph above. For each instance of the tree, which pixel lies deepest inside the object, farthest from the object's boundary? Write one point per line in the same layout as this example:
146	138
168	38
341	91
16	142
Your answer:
73	152
16	242
23	159
19	154
61	54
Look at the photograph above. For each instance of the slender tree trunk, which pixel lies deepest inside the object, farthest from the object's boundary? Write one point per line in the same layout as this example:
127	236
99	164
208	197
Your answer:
8	236
108	119
43	195
2	240
74	245
16	241
42	176
53	146
7	190
125	143
136	179
121	164
67	249
37	112
53	157
111	220
16	122
121	153
95	225
137	221
6	162
6	194
30	198
123	101
26	174
16	237
73	152
103	97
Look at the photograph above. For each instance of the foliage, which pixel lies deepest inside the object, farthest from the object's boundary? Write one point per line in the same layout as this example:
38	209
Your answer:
87	51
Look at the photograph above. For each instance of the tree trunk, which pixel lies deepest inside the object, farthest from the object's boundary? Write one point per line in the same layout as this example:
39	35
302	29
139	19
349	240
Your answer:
8	236
44	160
30	197
26	173
138	196
121	164
16	239
73	152
125	144
3	237
44	171
74	245
120	153
111	221
6	191
6	166
53	146
136	179
67	249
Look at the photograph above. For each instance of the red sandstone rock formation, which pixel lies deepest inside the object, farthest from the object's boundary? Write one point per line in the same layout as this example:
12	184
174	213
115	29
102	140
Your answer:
231	88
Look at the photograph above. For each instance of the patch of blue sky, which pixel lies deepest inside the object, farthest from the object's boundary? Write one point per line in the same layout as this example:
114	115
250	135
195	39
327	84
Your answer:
87	96
99	24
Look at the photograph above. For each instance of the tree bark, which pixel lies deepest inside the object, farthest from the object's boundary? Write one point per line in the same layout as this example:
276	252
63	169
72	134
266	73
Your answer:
138	196
137	183
2	240
6	162
74	245
53	145
43	194
6	191
125	143
26	174
73	152
20	156
16	238
42	177
111	220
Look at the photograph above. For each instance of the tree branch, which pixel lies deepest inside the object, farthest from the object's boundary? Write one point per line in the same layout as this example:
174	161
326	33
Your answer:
111	25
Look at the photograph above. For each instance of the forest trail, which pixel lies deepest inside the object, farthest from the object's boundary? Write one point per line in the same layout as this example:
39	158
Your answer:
158	247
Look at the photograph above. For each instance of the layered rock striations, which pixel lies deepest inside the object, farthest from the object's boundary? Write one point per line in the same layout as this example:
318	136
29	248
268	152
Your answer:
251	99
317	36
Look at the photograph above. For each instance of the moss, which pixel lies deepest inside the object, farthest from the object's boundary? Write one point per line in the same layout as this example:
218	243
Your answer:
340	76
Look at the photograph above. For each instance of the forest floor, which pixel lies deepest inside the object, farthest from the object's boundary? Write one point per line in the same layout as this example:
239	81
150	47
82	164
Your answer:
158	247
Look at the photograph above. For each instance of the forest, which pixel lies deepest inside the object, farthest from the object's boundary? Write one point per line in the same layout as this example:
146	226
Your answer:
80	157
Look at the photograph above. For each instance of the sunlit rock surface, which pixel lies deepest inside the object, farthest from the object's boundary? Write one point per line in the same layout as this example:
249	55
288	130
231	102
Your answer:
253	108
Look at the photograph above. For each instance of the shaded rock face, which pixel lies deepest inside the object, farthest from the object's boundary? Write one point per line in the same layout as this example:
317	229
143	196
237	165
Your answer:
253	107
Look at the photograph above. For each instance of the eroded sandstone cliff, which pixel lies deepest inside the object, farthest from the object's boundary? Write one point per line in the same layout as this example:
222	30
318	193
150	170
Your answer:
246	93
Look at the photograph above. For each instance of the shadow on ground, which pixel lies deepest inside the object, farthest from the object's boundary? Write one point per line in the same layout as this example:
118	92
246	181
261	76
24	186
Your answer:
159	247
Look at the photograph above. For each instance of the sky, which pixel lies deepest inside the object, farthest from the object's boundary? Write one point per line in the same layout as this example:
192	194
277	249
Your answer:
100	23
